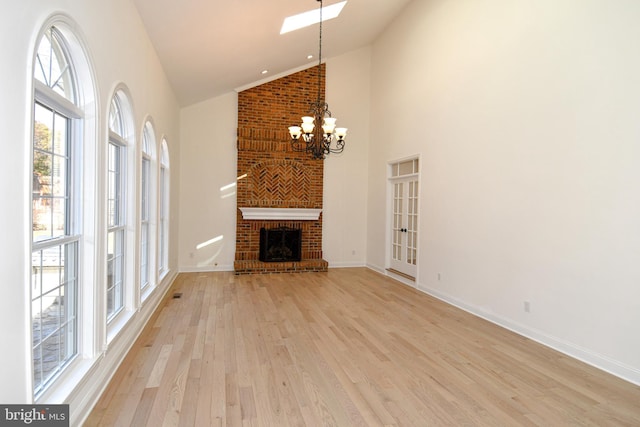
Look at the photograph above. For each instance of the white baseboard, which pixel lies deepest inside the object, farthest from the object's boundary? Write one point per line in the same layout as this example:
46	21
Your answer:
206	268
375	268
342	264
604	363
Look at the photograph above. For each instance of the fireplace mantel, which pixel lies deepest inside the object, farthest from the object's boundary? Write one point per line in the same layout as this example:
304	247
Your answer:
280	214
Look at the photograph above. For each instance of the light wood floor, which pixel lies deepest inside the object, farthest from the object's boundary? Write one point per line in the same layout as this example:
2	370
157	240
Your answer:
345	348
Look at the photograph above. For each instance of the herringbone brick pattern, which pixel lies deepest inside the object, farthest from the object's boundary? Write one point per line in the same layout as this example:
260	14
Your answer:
279	180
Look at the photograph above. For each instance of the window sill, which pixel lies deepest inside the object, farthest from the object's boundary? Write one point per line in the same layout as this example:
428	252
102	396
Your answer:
146	293
62	387
117	325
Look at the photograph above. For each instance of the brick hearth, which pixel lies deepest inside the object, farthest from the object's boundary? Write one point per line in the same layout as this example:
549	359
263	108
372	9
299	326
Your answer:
259	267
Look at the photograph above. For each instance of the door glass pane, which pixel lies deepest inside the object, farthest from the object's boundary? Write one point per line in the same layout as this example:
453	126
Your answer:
396	250
412	222
406	168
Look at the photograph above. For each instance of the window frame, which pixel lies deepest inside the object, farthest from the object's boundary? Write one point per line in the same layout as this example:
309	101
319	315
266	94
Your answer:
121	133
71	264
148	211
119	228
163	211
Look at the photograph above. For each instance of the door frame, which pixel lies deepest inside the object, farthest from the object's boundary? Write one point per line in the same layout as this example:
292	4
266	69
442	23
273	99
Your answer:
406	279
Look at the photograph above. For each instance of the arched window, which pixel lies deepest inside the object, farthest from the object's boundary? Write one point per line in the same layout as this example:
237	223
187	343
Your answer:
163	247
147	206
120	130
62	89
53	67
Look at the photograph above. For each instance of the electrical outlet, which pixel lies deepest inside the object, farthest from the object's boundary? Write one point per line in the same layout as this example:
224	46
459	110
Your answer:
439	277
527	307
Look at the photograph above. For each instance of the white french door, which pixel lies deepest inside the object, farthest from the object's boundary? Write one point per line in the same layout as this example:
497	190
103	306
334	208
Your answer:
404	217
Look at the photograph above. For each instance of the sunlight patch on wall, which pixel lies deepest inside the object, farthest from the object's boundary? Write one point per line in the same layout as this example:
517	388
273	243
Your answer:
209	242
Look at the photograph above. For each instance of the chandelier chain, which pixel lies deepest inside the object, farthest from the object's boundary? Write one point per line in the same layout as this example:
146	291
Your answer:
320	55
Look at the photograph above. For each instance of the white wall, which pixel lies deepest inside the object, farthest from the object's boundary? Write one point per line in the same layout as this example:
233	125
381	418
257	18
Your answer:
209	148
345	175
525	115
207	209
122	56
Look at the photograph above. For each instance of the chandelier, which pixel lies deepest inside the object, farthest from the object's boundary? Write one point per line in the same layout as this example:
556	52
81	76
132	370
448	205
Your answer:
318	134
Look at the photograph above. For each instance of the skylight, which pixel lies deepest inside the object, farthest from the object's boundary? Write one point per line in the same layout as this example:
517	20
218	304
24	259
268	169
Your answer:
311	17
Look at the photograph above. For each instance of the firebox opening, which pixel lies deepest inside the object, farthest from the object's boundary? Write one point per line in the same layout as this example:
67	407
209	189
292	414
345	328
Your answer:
280	244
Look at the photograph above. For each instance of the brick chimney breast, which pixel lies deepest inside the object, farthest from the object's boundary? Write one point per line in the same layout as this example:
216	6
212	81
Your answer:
275	176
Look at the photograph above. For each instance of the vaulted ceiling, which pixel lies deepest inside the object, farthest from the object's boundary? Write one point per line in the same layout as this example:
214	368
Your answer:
211	47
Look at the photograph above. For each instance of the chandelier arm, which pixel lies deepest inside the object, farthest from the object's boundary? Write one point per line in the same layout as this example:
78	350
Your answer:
327	142
303	144
296	145
339	146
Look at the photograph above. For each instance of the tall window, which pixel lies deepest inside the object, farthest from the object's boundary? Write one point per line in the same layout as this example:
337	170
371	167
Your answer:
55	256
116	206
163	255
146	203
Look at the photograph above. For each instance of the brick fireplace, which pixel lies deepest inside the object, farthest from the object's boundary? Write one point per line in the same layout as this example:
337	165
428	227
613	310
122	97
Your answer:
271	176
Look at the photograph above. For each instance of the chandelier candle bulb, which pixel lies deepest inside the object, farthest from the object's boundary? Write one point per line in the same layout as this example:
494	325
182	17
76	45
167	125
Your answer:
329	125
295	131
308	127
328	129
